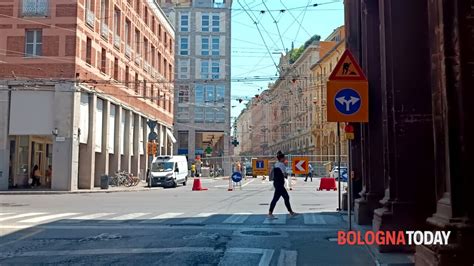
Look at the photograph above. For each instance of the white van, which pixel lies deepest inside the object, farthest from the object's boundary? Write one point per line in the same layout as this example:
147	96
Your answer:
169	171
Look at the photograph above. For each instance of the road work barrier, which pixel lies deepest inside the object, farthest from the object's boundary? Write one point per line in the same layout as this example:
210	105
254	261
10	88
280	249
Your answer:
327	183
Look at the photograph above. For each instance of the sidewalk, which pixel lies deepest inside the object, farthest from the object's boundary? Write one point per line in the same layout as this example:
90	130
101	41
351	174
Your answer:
25	191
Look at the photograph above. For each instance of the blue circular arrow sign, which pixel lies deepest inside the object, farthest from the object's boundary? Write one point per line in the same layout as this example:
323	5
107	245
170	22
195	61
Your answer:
347	101
236	177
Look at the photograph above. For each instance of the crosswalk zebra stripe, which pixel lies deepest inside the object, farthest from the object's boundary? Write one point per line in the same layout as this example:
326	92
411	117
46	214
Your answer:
93	216
122	218
199	218
313	218
237	218
48	217
6	213
23	215
281	219
160	218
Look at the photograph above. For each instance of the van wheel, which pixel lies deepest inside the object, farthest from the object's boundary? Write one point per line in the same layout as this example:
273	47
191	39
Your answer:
185	180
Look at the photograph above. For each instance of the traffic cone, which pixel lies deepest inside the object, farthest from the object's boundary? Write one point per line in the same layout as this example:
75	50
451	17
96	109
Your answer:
197	185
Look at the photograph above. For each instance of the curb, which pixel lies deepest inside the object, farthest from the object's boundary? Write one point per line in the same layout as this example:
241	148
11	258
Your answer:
45	192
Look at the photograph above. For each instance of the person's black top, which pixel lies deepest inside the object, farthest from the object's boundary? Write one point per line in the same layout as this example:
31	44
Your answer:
278	177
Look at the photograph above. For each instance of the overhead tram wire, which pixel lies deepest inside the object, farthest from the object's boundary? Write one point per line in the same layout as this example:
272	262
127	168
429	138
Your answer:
276	25
296	20
261	36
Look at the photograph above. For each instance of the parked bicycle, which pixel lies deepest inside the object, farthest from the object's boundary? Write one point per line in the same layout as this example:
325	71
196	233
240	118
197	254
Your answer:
123	178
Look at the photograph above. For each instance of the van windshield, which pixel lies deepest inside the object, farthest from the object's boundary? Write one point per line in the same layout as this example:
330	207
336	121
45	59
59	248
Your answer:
162	166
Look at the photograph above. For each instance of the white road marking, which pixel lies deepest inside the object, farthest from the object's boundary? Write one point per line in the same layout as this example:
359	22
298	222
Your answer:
198	219
48	217
287	258
35	232
265	260
123	218
248	183
281	219
93	216
6	213
238	218
162	217
23	215
313	218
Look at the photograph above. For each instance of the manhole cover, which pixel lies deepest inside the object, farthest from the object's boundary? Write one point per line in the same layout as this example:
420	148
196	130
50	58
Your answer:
260	233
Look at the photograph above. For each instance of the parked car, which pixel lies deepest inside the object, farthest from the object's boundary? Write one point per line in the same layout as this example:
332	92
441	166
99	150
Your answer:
168	171
248	170
335	173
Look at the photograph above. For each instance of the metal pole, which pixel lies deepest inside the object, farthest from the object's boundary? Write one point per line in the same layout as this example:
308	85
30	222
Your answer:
339	166
150	161
349	176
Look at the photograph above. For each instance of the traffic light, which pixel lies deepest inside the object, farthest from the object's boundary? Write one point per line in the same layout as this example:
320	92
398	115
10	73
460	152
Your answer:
235	142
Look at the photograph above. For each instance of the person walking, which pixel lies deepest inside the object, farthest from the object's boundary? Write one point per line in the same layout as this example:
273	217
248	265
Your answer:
279	175
309	174
35	176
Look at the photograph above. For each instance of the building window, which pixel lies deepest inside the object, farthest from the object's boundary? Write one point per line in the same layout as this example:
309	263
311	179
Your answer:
137	7
199	94
116	68
127	76
215	70
204	45
159	32
137	42
128	33
35	8
220	117
205	22
184	45
184	22
210	94
145	50
215	23
90	17
198	114
215	45
136	83
204	69
103	61
183	70
210	115
220	93
104	11
34	42
89	51
183	94
183	114
145	15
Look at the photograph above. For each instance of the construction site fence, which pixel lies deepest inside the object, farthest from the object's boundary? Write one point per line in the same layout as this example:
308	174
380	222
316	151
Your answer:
322	164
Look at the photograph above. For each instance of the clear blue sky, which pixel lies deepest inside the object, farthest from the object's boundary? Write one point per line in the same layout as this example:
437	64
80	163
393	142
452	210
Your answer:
249	53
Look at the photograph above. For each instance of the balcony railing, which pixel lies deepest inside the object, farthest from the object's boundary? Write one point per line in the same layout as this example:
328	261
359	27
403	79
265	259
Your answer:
138	59
35	8
90	18
116	41
146	67
128	50
104	30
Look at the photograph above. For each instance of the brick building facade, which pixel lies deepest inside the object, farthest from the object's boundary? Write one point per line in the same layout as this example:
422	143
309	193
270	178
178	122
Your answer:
89	75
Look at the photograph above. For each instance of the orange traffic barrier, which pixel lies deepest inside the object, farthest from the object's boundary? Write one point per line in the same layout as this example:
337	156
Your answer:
197	185
327	183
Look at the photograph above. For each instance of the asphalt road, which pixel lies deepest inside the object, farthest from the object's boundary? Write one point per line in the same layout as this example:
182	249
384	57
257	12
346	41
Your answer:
176	226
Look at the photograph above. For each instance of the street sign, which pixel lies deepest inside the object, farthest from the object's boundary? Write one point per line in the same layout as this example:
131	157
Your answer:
300	165
208	150
348	101
259	166
236	177
347	69
347	92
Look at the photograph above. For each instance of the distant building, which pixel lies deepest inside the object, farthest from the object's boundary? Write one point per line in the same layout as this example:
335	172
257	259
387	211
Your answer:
79	81
202	98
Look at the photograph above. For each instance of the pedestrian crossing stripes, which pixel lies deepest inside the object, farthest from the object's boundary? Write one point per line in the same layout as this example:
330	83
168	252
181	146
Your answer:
31	218
162	217
238	218
121	218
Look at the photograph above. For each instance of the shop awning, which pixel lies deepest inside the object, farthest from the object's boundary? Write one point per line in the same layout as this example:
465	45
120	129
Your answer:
170	135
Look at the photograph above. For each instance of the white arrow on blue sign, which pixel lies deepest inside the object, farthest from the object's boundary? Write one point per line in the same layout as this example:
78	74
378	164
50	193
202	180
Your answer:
347	101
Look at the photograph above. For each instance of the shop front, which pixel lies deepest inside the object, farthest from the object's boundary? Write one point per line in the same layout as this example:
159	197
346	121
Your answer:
26	152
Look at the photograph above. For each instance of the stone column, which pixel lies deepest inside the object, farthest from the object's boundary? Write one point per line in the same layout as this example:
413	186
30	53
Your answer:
372	133
452	56
115	158
144	157
136	143
66	146
4	143
410	196
87	151
127	157
102	158
192	144
165	140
